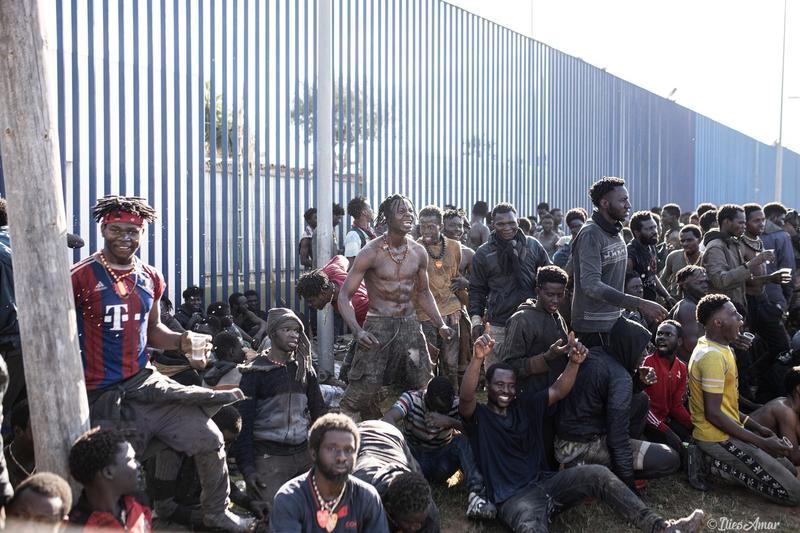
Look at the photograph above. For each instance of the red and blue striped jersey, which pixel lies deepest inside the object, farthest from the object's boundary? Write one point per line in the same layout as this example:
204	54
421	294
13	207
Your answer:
113	330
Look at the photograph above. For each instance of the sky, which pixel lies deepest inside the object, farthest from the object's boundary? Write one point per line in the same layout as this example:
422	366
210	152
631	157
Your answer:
722	56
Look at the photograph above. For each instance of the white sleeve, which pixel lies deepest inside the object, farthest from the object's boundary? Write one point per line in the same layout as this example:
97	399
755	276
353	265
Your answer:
352	243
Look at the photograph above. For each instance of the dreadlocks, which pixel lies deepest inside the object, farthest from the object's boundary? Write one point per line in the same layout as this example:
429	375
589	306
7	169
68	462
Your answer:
129	204
312	284
387	207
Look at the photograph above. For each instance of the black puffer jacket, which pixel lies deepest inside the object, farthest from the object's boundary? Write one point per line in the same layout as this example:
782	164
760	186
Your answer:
500	293
600	401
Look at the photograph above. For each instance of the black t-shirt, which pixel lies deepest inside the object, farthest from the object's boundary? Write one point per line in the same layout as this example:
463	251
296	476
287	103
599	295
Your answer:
509	448
645	263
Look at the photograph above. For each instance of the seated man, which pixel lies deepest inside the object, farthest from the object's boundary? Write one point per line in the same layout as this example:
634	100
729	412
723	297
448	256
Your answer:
43	498
536	334
782	415
385	462
693	284
597	423
247	320
104	462
224	372
222	312
20	459
191	310
738	448
430	420
328	495
173	485
668	421
254	304
282	399
506	436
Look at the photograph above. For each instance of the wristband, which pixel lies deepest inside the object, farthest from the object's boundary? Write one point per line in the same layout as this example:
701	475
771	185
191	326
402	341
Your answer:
476	321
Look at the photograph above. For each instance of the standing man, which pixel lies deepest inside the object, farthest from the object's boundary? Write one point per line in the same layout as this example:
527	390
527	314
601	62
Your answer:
642	256
763	316
361	232
776	238
503	275
693	283
444	260
689	254
728	271
671	225
304	247
599	260
391	346
738	448
478	231
548	236
117	302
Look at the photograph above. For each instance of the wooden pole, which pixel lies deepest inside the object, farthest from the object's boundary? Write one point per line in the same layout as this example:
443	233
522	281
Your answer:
45	306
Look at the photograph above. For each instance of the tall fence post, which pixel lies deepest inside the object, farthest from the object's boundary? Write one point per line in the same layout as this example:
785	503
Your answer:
323	165
59	410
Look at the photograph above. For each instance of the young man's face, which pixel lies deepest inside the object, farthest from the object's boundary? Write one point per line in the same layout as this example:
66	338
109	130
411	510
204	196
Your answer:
125	470
547	224
252	302
430	229
287	337
634	287
648	234
689	242
195	302
336	455
322	299
239	305
454	228
696	285
557	216
575	226
755	223
549	296
667	219
402	219
312	221
666	340
735	226
617	204
502	389
505	224
729	321
121	240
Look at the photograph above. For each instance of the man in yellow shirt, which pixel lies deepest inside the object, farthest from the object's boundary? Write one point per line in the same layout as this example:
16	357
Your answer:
735	446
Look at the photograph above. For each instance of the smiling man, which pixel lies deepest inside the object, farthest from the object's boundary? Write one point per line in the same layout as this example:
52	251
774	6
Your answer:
503	275
392	349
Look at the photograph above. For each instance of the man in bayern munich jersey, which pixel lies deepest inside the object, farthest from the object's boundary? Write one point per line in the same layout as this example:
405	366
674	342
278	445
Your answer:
117	305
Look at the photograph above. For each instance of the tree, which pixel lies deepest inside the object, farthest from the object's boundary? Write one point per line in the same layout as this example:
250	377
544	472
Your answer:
217	123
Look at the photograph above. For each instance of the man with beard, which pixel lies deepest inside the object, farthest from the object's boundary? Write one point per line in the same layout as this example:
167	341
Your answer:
392	349
503	275
738	448
668	421
723	260
191	310
689	254
693	283
642	256
599	261
117	302
282	398
328	498
444	260
764	317
506	437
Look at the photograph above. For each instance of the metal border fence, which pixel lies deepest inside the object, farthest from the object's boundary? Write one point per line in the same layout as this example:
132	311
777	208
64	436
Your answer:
206	107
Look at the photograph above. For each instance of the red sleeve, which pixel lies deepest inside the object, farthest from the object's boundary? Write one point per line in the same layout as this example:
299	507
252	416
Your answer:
678	410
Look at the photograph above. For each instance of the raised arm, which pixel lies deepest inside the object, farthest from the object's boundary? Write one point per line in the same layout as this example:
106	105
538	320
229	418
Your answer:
466	397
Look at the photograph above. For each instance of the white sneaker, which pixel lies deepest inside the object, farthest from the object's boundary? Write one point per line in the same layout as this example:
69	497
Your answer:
478	507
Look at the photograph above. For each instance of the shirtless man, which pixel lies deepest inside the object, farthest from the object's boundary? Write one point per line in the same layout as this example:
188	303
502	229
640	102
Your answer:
693	283
391	346
454	229
478	231
782	415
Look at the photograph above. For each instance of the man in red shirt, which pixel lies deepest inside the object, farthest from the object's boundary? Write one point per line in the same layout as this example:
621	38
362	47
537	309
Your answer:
321	287
668	421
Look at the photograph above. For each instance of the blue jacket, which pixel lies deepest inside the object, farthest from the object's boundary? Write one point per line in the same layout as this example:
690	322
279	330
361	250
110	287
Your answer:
775	238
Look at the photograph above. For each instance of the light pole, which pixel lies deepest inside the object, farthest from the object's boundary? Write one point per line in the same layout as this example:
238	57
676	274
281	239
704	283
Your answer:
779	147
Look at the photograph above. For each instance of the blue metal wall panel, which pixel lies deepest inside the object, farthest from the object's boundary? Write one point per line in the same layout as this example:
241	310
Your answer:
215	123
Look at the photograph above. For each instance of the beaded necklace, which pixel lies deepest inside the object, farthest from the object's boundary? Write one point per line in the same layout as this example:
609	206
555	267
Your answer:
437	259
119	281
388	249
326	518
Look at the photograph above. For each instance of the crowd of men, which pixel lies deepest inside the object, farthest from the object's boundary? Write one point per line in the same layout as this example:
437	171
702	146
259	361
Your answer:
612	347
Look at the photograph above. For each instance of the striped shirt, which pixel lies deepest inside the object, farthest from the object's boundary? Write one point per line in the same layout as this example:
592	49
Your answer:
417	432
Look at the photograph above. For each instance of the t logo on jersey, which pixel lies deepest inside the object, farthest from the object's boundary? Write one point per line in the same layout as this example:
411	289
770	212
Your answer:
116	315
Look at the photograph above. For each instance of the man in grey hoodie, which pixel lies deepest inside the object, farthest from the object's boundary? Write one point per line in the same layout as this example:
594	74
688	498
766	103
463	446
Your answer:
599	260
776	238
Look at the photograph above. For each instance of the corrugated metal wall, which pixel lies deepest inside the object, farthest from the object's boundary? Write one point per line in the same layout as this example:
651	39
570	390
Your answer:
207	109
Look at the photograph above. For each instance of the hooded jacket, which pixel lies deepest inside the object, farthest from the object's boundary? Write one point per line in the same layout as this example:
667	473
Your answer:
277	410
776	238
600	401
726	269
497	292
